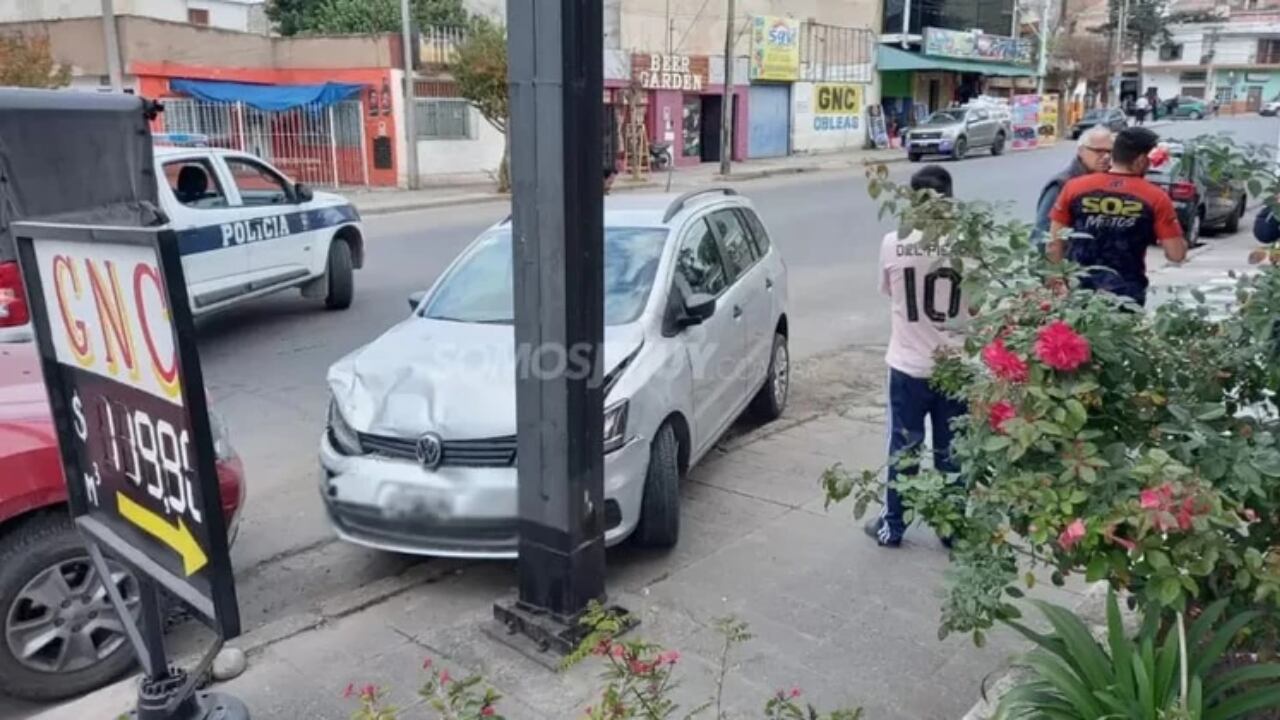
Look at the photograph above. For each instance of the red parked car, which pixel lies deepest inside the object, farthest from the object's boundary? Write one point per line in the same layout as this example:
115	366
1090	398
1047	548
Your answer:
59	635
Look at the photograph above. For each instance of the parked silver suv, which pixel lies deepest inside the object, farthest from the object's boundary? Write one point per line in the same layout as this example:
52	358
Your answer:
419	453
956	131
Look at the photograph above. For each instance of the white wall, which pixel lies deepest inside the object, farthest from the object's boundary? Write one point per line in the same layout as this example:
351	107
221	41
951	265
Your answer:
442	162
814	132
228	14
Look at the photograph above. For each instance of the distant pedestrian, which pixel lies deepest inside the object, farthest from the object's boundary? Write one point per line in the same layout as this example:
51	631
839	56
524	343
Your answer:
1123	213
1093	155
1140	108
609	174
929	311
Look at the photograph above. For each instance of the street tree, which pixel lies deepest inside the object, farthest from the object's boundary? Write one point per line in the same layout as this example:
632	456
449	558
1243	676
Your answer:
1083	58
1147	26
341	17
27	61
479	68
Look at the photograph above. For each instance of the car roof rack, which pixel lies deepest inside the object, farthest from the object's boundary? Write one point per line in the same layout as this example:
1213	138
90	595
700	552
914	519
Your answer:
678	204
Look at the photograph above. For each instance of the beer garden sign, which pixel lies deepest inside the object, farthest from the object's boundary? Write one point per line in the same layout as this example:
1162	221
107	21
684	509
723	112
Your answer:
655	71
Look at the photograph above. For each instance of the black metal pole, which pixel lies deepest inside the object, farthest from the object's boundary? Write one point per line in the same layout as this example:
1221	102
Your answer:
556	84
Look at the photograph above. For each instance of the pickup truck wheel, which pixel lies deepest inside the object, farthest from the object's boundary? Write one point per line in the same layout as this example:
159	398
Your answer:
659	525
961	149
60	637
997	146
342	280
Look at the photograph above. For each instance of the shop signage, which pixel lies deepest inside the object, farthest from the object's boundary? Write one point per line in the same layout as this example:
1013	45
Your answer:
837	106
977	46
670	72
875	125
117	348
775	48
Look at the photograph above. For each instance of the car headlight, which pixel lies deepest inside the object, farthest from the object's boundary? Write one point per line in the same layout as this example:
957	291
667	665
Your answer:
343	438
615	426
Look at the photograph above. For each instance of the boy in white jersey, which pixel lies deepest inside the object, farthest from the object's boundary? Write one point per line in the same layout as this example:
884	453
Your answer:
929	310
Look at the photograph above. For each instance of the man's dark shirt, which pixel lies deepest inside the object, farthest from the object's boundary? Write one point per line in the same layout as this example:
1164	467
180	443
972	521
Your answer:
1124	214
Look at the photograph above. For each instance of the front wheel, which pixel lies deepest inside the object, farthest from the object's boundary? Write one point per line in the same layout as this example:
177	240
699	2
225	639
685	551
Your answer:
913	157
997	147
342	282
1193	232
1233	221
60	635
659	525
1196	115
771	400
960	150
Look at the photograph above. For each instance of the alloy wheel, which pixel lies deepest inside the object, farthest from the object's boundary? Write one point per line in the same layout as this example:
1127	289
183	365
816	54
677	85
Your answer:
781	373
63	621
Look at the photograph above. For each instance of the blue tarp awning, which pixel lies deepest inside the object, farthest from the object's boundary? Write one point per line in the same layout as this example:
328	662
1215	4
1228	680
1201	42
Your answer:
266	97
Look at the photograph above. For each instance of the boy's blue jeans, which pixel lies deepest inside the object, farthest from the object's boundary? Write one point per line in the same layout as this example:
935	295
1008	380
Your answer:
911	401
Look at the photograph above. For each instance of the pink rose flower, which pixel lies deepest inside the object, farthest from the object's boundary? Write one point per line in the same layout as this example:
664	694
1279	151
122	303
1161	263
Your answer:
1003	362
999	413
1060	347
1074	533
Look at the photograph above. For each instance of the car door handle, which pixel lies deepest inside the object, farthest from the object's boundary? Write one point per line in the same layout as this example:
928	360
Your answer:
737	311
768	283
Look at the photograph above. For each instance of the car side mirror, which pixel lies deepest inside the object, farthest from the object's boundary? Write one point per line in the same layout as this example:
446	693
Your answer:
415	299
697	309
302	192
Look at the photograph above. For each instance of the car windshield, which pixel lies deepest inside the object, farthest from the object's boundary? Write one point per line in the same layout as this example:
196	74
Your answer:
479	288
945	117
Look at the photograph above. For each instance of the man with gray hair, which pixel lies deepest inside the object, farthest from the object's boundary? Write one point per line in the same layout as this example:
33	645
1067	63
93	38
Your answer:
1093	154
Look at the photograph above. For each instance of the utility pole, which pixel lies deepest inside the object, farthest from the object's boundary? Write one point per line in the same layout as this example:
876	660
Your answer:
1044	47
556	80
726	100
1120	27
111	42
410	99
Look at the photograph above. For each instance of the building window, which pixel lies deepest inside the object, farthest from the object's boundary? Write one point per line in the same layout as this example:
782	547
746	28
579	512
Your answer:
444	119
1268	52
197	16
1171	51
1193	76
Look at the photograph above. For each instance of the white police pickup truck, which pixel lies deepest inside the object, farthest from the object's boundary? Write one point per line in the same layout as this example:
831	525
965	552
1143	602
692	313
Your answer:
244	231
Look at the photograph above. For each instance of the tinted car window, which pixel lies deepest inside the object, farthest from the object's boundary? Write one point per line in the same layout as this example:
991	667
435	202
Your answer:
480	288
195	184
698	260
738	253
257	184
758	234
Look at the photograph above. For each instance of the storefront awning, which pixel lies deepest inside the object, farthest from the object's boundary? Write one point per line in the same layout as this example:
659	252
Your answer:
266	97
890	58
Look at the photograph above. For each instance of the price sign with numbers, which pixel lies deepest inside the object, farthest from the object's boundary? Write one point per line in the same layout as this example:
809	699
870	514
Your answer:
117	346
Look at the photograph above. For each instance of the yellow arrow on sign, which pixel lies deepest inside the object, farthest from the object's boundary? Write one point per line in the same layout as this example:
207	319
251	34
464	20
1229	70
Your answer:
179	538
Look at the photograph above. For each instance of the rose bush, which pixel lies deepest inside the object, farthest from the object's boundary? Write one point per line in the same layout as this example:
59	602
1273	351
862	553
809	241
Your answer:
1139	448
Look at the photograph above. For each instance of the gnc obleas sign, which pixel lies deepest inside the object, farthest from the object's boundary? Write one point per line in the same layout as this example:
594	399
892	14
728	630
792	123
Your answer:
111	317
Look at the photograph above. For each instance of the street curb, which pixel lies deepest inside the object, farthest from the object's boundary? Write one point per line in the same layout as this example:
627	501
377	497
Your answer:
448	201
119	698
1093	598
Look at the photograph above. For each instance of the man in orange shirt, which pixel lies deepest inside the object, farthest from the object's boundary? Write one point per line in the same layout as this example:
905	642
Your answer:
1123	213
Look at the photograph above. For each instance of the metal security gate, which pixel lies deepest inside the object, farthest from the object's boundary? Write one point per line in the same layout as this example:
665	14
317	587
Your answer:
769	117
314	144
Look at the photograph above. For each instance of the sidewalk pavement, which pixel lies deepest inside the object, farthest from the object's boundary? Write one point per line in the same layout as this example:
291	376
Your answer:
850	623
375	201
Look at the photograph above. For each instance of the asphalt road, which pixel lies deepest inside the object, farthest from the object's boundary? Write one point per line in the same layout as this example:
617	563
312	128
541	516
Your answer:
265	363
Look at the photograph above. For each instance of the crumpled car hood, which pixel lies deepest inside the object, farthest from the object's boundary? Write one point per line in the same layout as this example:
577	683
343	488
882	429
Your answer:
455	379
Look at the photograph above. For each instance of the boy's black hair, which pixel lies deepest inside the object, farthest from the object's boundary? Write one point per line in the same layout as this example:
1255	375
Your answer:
1132	143
932	177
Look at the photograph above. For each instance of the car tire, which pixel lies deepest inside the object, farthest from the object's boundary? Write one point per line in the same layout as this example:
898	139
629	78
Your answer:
960	149
49	543
1197	226
659	525
997	145
913	157
1195	115
342	281
770	402
1233	220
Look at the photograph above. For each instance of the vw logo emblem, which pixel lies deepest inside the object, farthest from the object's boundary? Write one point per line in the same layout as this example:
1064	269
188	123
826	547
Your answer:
430	450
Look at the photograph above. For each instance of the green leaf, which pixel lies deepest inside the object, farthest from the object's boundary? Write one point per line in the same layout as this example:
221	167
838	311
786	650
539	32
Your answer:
1077	416
1240	706
1157	559
1213	414
1097	570
1168	590
1227	681
996	443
